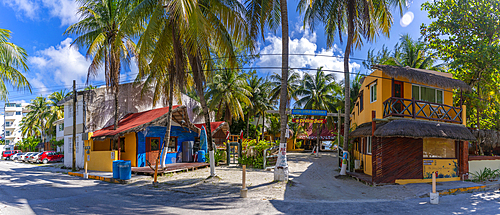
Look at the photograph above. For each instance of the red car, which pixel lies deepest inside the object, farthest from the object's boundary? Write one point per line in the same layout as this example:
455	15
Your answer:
6	154
50	156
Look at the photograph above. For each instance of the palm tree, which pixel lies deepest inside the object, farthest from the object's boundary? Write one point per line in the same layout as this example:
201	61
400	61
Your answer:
260	99
292	84
200	28
407	53
318	92
228	94
362	19
12	58
57	112
38	117
108	42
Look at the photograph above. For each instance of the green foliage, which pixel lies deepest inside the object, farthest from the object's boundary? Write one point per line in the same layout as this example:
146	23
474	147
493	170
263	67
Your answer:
28	143
466	35
486	174
257	160
12	59
219	157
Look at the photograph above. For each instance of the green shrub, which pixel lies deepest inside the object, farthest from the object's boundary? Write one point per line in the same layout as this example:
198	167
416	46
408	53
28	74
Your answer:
485	174
256	161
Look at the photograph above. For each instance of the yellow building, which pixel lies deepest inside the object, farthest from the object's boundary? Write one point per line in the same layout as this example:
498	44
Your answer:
406	127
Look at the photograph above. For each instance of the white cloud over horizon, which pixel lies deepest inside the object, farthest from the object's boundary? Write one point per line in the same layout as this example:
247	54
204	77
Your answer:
65	10
312	58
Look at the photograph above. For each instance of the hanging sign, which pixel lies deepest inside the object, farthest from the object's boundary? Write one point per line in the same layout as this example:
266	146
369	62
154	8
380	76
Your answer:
309	112
316	121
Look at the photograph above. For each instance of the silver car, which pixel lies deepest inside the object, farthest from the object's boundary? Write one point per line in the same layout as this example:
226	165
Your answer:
25	157
34	157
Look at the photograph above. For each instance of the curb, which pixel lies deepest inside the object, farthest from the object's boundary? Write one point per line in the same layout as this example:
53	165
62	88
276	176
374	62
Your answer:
464	190
111	180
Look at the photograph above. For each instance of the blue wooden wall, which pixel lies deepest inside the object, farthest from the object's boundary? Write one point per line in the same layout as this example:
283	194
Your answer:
183	134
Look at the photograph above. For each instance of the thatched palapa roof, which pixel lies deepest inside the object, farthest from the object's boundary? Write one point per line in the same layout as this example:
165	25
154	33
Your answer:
421	76
415	129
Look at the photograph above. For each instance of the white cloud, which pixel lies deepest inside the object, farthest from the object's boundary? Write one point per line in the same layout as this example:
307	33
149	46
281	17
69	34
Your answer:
63	62
311	57
65	10
407	19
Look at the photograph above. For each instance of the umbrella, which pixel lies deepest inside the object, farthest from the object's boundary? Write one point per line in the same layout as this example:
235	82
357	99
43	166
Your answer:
203	139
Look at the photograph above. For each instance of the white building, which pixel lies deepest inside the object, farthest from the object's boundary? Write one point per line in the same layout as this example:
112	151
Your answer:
99	112
14	113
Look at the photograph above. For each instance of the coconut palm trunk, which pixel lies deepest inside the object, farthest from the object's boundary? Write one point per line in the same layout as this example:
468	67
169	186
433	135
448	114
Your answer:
199	80
281	169
263	123
347	96
168	124
319	128
248	126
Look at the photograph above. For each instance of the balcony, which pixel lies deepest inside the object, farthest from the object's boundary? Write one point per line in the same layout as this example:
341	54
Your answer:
400	107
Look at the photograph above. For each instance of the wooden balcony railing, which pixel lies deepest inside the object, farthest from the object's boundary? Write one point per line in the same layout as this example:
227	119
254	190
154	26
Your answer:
401	107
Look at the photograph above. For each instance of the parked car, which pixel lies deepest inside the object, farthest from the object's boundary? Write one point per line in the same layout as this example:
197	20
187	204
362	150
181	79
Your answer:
26	156
34	157
50	156
16	157
6	154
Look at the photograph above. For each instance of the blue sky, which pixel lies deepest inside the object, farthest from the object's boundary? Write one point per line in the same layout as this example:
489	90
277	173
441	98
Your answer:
38	27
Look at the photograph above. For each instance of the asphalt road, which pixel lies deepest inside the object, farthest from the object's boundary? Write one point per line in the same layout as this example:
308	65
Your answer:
24	190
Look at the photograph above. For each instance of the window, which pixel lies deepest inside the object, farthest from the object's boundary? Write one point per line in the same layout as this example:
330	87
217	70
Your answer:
369	145
427	94
8	124
361	101
172	145
373	92
61	127
439	148
70	141
155	144
7	141
18	113
7	133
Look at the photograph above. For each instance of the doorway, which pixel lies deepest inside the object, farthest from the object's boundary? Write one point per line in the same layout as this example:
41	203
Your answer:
152	149
397	91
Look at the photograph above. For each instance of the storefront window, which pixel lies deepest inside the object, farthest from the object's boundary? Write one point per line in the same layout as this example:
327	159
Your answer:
439	148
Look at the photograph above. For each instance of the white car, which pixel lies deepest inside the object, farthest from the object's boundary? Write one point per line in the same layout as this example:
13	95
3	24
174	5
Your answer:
25	156
34	157
16	157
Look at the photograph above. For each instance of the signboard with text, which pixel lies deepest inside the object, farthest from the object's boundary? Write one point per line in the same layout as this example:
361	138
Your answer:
316	121
309	112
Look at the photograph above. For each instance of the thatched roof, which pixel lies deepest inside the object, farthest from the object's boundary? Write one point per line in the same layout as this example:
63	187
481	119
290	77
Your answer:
422	77
415	129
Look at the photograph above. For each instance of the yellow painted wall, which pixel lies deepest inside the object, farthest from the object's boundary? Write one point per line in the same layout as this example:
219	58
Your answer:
412	181
384	91
367	164
446	168
130	149
102	160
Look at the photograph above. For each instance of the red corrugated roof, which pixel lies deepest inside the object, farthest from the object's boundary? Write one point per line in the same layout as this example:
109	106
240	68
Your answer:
213	125
133	120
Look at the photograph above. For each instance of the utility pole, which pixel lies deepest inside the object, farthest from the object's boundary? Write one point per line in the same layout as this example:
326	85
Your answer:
74	126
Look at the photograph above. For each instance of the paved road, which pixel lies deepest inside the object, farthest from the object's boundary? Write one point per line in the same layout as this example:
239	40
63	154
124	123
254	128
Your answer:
26	191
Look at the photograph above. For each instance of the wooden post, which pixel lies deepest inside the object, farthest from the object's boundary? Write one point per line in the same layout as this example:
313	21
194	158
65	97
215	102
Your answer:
434	182
413	107
392	87
156	173
374	124
244	190
119	149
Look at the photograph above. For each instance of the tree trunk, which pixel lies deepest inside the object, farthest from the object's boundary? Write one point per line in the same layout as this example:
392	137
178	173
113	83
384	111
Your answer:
166	139
199	79
255	133
248	126
347	83
281	169
317	139
263	124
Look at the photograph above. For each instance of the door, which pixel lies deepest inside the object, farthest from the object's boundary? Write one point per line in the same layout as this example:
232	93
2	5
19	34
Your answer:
152	149
397	89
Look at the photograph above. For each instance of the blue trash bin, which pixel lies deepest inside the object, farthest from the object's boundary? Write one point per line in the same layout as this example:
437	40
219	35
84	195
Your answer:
201	156
125	170
116	169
